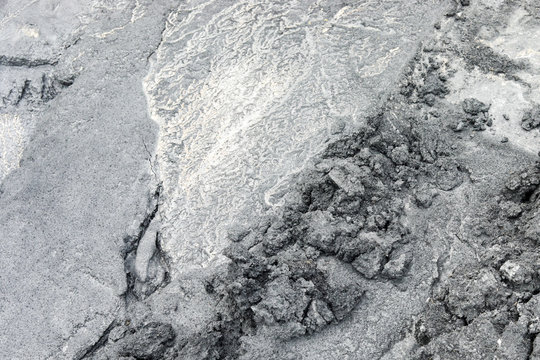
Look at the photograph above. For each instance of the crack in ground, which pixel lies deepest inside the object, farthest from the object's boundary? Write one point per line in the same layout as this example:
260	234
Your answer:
131	248
102	341
17	61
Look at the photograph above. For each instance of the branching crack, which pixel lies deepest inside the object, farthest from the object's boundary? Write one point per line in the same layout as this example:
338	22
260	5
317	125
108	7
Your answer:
98	344
150	159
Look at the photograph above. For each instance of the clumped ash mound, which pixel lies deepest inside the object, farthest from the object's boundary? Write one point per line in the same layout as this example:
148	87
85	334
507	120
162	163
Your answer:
419	198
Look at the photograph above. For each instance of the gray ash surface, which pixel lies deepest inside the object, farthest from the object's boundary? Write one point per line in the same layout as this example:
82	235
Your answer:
409	231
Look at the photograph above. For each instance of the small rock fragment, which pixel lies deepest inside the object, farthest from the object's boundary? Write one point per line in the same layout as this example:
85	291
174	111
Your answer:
397	267
516	273
348	177
474	106
531	118
117	333
237	253
459	127
369	264
510	209
318	316
424	198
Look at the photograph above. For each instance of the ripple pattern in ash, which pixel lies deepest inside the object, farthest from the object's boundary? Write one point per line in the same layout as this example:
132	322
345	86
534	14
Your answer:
246	92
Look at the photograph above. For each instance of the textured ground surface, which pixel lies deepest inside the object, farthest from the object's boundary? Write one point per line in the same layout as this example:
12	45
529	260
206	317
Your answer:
269	179
245	93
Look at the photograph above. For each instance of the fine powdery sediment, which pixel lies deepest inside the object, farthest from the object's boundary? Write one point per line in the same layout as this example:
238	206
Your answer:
270	180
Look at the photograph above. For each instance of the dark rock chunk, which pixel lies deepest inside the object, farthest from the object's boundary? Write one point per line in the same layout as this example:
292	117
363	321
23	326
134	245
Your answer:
429	99
348	176
470	293
350	247
7	60
369	264
474	107
432	323
237	253
448	174
476	113
284	301
510	209
277	236
318	316
320	195
343	289
343	297
321	232
531	118
515	342
478	341
424	198
397	267
434	85
400	155
488	61
521	185
532	228
522	273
